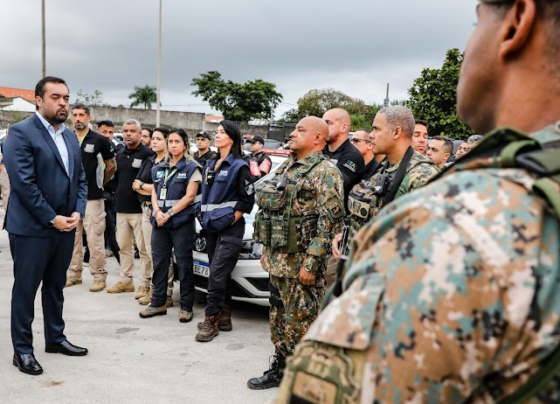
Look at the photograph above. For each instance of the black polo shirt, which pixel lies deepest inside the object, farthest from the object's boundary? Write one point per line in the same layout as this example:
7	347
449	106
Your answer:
350	162
209	155
129	162
370	168
95	147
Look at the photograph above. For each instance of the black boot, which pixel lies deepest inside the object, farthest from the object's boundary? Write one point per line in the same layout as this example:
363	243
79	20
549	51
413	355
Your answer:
270	378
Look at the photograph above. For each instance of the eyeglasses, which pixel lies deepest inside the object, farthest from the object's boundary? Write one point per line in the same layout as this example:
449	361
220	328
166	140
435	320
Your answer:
354	140
464	148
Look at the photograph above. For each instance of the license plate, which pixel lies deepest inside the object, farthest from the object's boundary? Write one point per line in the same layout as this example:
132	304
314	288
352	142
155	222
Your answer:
201	268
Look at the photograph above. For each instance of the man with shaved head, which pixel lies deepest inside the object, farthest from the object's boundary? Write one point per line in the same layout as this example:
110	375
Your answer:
347	158
301	209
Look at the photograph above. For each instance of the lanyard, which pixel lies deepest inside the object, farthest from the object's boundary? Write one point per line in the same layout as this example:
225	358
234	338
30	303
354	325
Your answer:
168	175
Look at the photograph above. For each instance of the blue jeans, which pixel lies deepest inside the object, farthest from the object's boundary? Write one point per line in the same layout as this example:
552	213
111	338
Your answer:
164	241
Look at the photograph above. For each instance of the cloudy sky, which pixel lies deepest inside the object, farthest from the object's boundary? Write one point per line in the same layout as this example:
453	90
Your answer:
355	46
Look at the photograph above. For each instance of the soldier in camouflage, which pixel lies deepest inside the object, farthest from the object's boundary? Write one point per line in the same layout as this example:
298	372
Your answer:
391	135
451	295
301	209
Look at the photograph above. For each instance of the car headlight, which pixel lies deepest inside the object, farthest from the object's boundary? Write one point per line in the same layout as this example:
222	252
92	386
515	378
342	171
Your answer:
250	250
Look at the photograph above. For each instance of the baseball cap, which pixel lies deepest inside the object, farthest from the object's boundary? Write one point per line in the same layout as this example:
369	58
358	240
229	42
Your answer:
106	122
204	134
255	139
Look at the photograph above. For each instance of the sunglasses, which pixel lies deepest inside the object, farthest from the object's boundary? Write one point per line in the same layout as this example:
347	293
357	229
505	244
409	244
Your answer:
360	140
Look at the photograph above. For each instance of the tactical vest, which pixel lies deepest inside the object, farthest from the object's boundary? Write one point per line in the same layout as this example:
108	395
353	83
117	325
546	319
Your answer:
175	189
275	226
368	197
219	194
320	372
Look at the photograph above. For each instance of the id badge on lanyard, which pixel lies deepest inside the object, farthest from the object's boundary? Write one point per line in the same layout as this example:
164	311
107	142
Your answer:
168	175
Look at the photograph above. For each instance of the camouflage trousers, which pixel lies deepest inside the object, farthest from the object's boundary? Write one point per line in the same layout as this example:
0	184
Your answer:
293	307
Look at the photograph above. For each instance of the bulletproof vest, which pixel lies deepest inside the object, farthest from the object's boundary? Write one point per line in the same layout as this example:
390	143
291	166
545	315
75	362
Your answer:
318	370
368	197
275	224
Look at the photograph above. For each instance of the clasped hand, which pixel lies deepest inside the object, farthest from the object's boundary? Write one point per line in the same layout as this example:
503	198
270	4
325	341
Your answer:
65	223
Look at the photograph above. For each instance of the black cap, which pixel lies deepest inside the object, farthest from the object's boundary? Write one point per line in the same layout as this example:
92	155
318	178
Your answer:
204	134
255	139
106	122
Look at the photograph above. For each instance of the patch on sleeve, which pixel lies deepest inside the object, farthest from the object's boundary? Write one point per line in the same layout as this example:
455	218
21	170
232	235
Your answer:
320	374
335	209
249	187
350	165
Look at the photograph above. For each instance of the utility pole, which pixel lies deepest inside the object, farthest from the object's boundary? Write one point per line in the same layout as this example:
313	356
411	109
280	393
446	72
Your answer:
386	102
43	44
158	112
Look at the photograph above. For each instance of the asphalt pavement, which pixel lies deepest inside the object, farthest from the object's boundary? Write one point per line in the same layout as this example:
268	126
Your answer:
134	360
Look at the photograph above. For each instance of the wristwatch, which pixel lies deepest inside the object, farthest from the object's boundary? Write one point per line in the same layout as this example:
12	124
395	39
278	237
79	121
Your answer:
170	211
51	223
141	185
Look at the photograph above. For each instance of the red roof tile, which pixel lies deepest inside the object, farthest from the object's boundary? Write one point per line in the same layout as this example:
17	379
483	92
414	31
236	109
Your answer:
9	92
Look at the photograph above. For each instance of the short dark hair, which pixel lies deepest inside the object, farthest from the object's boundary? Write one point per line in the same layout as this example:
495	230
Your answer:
81	106
150	130
363	130
421	122
447	143
40	87
106	122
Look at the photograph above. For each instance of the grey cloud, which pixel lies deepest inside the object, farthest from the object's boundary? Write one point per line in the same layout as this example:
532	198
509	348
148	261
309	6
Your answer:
355	46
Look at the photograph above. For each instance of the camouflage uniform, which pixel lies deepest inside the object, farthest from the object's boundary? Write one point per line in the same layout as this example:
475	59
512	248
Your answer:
420	170
319	195
451	296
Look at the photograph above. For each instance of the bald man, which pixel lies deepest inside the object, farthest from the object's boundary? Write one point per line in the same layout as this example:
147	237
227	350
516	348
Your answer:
295	255
347	158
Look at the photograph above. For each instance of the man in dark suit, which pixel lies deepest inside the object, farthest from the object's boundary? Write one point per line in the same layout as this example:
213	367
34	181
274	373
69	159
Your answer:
48	199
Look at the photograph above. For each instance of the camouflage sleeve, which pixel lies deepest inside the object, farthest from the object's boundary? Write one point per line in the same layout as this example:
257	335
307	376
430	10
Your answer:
470	267
329	188
416	178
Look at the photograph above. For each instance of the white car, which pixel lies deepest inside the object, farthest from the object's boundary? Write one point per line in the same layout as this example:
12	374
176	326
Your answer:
249	280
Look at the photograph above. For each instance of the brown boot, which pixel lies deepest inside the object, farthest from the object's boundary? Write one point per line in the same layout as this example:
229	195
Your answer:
224	322
209	329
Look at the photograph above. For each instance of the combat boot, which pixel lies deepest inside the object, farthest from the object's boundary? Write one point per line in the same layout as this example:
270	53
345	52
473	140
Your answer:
272	377
209	329
224	323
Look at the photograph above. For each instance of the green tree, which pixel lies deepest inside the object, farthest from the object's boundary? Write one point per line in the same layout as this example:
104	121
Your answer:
433	98
95	99
145	96
237	102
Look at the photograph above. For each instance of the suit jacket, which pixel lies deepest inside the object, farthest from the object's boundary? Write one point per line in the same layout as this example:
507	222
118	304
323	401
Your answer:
40	186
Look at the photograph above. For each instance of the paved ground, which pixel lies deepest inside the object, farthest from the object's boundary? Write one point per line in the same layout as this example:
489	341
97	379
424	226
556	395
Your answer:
134	360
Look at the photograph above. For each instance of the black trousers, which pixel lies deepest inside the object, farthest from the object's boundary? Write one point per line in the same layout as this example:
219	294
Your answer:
110	228
223	252
36	260
181	240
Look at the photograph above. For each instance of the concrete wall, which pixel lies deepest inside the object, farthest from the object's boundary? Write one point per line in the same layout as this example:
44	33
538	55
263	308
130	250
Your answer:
190	121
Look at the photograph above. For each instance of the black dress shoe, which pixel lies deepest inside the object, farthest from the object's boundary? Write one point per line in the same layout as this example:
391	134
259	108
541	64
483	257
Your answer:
66	348
27	363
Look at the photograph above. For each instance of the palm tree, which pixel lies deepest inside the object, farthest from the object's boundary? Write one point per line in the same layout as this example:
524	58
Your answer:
143	96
